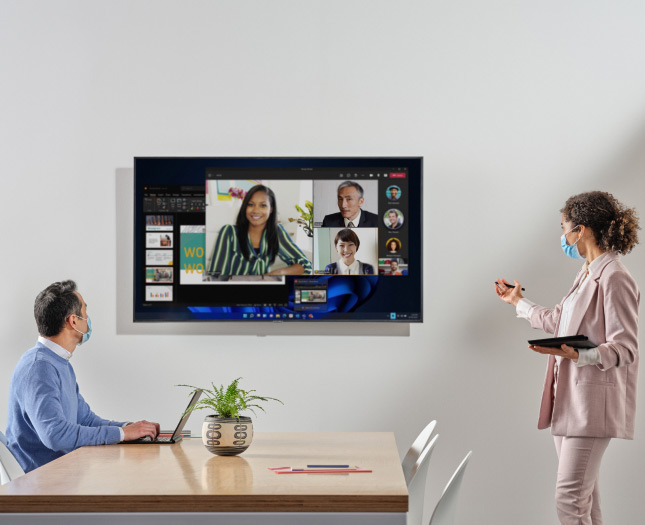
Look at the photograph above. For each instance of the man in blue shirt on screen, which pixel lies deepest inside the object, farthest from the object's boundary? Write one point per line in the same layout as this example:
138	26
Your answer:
48	416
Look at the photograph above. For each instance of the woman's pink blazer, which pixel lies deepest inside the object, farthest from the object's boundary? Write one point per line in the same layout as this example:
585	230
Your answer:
595	400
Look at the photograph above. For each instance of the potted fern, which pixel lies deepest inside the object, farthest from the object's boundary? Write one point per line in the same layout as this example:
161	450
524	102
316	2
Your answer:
226	432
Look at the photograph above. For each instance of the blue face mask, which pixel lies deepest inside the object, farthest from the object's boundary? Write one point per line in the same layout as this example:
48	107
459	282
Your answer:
86	335
570	250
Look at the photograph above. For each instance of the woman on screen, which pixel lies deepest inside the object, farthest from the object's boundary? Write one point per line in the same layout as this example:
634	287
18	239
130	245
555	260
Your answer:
251	245
393	245
347	244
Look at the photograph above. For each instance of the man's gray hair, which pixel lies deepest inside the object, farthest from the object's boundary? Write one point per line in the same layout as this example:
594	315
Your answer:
349	183
54	305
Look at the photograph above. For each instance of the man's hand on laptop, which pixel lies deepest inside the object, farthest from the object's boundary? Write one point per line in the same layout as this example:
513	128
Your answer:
140	429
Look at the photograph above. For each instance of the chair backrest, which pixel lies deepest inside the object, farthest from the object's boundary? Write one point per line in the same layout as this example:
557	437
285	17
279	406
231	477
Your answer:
10	469
444	512
417	485
4	477
415	450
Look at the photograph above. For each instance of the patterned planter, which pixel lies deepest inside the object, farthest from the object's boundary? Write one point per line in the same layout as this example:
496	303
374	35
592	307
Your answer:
227	436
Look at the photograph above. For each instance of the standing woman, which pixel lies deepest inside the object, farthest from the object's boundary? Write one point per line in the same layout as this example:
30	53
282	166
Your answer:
589	395
251	245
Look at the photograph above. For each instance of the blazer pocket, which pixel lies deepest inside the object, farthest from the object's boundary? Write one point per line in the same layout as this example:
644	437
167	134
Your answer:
586	409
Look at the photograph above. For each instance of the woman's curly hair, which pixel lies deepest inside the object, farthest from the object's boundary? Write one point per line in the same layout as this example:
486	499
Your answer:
614	226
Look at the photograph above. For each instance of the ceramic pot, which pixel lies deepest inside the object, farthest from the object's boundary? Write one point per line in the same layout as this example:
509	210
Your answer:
227	436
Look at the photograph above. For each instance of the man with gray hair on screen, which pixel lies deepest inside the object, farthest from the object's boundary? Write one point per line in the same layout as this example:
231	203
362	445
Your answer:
351	214
48	416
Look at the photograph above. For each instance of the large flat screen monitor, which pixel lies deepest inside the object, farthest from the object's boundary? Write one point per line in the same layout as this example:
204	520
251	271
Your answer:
303	239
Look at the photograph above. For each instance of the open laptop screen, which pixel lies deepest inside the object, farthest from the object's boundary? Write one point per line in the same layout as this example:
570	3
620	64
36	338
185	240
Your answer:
176	436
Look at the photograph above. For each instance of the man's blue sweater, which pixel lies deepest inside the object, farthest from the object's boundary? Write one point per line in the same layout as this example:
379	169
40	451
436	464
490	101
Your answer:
48	417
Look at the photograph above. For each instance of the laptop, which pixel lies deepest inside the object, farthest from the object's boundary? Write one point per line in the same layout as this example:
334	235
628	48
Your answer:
176	435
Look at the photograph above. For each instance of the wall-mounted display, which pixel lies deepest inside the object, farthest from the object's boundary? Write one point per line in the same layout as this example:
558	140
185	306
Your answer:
278	239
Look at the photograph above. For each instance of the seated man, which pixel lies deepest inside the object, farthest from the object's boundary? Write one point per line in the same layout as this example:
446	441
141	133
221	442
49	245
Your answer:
347	244
48	416
351	215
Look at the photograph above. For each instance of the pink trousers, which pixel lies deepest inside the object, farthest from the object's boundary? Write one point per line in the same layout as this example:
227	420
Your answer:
577	497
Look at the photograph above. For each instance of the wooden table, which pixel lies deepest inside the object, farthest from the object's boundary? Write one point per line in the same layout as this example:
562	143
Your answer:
188	484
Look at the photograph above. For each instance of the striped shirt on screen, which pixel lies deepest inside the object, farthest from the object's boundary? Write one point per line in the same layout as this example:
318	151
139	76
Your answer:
227	258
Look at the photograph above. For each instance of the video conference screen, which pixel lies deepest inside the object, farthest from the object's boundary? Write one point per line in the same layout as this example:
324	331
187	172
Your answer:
278	239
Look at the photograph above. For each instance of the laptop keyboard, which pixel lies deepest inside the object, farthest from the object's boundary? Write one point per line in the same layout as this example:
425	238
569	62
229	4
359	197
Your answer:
158	439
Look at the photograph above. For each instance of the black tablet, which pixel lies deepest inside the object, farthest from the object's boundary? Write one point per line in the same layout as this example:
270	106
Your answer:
576	341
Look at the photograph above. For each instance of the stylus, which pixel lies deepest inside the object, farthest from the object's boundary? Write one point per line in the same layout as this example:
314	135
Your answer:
510	286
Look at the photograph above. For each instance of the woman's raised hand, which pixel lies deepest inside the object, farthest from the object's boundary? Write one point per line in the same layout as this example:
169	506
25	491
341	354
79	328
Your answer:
506	293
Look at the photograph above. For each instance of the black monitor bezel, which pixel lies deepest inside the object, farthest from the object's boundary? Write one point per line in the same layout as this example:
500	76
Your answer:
253	161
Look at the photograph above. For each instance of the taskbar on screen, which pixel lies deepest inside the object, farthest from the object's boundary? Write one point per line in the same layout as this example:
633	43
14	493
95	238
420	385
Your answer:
201	313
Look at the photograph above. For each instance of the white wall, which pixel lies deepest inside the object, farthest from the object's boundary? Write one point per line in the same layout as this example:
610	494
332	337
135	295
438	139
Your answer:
514	106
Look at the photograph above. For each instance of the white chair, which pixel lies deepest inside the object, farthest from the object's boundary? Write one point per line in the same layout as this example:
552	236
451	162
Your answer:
415	450
417	484
10	469
444	512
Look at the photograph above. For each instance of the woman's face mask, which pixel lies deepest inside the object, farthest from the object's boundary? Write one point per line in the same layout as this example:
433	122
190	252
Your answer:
570	250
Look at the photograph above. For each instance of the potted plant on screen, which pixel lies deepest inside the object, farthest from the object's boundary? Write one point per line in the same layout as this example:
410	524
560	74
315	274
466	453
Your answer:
304	229
226	432
306	218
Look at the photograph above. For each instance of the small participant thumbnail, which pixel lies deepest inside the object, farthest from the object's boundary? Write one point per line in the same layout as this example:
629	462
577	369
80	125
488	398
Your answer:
393	219
392	266
393	193
345	251
393	245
